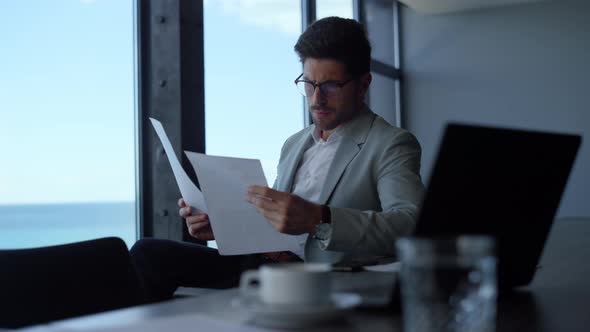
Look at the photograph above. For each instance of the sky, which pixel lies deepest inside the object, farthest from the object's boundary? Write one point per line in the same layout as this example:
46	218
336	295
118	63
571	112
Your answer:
67	92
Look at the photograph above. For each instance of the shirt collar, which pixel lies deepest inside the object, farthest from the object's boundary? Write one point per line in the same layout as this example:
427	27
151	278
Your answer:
317	134
339	132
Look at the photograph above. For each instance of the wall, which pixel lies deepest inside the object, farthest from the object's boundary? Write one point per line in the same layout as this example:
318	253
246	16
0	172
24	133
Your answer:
523	66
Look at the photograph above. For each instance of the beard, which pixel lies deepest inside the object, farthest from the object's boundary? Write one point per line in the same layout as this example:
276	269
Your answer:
328	119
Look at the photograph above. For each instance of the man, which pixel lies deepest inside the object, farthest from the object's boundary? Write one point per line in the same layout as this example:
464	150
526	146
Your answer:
349	184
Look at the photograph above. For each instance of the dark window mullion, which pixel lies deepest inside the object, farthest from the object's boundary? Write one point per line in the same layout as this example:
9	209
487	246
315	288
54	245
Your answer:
170	88
385	69
397	64
308	16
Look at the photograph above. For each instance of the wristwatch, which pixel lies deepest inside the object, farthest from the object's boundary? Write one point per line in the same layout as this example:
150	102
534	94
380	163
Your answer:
323	230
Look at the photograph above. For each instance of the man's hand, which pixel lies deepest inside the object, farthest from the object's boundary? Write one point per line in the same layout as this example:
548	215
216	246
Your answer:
287	213
198	225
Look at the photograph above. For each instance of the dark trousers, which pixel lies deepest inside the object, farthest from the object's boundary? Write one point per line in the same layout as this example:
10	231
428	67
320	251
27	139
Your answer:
165	265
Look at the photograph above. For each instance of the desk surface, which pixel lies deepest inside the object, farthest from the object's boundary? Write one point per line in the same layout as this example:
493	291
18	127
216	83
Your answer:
557	300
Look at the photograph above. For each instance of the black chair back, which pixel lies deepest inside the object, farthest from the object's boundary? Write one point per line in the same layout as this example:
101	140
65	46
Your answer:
43	284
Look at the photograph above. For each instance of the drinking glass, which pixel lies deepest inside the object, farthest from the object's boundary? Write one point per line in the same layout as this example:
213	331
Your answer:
448	284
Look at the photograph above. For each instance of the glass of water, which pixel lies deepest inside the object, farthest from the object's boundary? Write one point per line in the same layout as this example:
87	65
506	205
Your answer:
448	284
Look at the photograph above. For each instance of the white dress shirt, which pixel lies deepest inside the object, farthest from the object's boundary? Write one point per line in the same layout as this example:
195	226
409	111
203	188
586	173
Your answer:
312	171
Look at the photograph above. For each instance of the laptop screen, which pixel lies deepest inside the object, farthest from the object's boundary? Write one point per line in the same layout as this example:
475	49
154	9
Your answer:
501	182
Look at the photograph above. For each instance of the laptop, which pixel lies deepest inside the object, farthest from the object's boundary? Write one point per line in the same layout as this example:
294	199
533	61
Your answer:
505	183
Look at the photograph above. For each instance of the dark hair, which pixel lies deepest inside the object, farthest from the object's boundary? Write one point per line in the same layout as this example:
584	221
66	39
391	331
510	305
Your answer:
336	38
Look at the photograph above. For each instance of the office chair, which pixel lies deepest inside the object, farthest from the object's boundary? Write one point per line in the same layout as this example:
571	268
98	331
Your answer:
43	284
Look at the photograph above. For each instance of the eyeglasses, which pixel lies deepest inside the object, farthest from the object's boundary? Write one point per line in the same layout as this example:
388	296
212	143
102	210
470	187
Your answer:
327	88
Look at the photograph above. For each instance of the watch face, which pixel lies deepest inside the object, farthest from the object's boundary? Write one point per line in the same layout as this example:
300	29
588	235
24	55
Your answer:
322	231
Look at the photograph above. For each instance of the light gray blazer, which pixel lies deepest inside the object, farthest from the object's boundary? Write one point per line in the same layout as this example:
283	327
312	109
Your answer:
373	188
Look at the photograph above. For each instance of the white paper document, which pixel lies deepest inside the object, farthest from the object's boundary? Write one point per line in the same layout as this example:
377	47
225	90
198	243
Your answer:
236	224
189	191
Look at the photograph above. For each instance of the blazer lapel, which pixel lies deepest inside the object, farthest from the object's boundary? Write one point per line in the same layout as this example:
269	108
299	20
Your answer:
292	161
354	136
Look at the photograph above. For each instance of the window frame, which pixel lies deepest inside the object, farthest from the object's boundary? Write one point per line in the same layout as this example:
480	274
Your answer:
170	88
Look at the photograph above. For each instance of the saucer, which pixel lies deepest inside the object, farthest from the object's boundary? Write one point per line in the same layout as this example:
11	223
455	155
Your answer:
297	316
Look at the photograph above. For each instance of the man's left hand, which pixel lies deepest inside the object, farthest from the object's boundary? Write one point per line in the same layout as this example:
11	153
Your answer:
287	213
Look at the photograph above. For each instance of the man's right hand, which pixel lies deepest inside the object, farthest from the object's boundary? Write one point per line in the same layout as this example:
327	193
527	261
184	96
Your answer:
198	225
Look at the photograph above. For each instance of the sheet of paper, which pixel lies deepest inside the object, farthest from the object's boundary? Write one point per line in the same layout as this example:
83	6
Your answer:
189	191
236	224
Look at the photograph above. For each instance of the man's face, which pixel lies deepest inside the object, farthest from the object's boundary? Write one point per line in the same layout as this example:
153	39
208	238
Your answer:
331	110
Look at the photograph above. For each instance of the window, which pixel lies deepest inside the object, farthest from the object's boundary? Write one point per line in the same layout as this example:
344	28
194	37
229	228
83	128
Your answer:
251	103
381	20
67	129
341	8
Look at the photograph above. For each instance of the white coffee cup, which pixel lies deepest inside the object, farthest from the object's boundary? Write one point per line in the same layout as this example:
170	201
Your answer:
289	284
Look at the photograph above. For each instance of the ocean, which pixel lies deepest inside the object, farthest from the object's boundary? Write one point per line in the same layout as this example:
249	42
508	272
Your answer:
25	226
